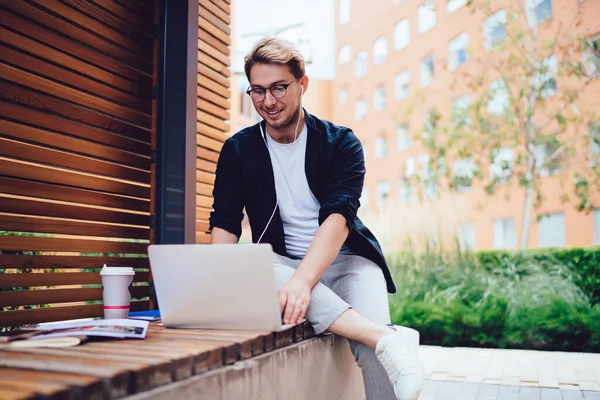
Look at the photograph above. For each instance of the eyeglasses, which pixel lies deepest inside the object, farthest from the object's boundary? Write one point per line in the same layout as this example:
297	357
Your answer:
278	91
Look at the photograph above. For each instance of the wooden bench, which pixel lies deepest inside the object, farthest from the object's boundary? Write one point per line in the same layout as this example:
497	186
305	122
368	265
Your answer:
112	369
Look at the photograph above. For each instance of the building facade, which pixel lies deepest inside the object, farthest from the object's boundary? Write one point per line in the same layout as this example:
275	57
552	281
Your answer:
386	52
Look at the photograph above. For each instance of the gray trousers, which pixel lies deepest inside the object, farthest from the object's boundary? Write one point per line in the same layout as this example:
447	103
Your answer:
350	282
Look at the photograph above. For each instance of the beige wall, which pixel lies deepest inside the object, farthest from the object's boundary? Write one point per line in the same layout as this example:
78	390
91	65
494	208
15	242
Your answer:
370	20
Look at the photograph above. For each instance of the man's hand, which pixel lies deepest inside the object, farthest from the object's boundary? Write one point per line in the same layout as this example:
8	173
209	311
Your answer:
294	298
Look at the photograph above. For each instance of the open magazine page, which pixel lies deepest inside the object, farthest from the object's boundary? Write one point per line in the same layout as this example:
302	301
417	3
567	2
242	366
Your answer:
116	328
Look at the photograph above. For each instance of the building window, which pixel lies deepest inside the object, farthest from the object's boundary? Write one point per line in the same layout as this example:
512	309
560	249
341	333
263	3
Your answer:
545	78
343	95
594	136
464	170
383	191
404	192
454	5
546	161
426	16
380	147
361	64
551	231
401	34
427	70
379	98
538	11
344	11
499	100
458	50
460	111
501	168
345	54
364	199
402	138
466	236
494	29
380	50
505	235
591	55
596	226
360	110
401	82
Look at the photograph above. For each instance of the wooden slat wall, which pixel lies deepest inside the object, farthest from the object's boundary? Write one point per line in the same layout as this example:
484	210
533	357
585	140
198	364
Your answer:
214	94
76	119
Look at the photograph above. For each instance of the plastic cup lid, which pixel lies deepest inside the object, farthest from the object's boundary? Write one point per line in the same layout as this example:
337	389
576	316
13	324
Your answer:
117	271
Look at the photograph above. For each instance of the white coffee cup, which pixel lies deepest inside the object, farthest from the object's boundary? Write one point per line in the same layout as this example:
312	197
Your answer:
115	291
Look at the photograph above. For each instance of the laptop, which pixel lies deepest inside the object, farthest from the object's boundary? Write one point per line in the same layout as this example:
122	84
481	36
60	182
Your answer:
217	286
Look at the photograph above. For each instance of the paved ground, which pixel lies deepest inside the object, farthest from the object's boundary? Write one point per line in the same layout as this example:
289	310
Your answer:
484	374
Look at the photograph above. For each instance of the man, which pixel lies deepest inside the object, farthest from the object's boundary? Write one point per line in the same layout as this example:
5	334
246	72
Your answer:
300	179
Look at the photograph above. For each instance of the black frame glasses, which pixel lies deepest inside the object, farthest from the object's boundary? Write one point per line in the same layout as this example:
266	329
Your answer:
278	91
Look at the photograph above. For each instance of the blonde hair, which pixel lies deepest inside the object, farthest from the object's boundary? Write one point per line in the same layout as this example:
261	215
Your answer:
272	50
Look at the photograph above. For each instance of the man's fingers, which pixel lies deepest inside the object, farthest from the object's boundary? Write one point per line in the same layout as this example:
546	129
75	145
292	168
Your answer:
297	311
302	313
289	309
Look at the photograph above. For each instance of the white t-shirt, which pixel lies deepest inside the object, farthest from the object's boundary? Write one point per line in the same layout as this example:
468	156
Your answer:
298	207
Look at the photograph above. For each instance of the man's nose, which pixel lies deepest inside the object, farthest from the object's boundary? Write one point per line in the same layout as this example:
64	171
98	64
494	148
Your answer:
269	98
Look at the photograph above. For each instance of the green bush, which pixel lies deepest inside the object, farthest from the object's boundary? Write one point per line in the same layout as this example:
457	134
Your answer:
494	299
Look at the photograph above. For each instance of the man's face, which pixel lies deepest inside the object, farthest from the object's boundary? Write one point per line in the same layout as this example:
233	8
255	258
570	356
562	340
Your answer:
282	112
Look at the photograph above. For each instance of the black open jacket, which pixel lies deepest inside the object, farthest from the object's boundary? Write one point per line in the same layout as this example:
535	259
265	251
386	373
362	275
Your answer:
335	171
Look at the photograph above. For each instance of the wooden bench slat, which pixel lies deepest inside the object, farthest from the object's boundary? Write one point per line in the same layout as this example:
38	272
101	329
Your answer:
50	391
59	278
17	394
53	296
74	245
10	261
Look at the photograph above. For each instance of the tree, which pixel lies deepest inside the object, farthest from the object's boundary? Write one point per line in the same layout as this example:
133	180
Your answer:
519	111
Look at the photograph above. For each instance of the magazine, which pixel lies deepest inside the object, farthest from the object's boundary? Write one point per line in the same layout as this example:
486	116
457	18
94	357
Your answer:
113	328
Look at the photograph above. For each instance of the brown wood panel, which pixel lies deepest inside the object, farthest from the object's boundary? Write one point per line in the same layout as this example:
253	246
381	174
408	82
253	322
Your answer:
213	133
89	387
10	261
225	6
135	7
96	65
202	238
205	177
214	20
206	154
54	175
44	155
204	189
55	192
201	226
39	315
96	42
212	121
213	75
76	16
213	98
209	143
124	13
53	296
221	113
56	123
213	30
63	75
202	213
27	243
59	279
76	96
144	38
205	165
64	142
216	11
221	68
210	40
50	391
214	86
204	201
21	223
213	52
70	211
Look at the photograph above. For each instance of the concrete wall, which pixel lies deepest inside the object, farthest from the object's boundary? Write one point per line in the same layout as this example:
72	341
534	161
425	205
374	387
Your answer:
320	368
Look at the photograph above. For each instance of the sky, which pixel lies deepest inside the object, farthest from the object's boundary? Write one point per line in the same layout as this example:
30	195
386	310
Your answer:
307	23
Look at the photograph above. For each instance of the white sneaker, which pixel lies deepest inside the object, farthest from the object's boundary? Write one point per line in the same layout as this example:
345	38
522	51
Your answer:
398	352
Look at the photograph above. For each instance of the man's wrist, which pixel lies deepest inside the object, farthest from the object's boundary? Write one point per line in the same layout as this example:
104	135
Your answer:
305	277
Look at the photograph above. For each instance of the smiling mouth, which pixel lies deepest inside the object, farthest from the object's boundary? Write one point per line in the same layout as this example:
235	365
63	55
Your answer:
273	113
